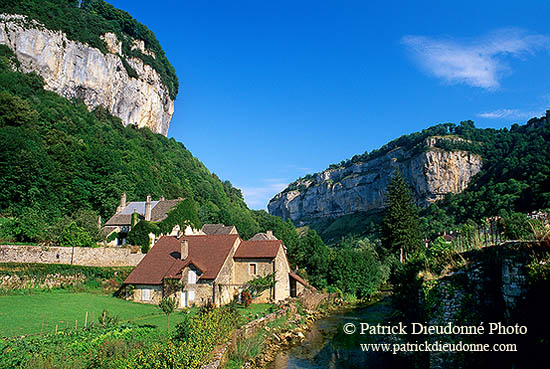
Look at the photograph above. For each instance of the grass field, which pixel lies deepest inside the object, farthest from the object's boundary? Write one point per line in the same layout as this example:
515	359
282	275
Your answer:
29	314
25	314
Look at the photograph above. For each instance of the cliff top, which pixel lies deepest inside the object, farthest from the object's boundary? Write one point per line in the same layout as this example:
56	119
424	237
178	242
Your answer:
88	21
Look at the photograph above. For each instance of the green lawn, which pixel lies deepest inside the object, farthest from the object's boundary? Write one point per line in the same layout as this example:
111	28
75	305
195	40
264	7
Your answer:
24	314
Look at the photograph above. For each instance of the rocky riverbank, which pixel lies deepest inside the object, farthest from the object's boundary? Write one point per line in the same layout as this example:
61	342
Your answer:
296	322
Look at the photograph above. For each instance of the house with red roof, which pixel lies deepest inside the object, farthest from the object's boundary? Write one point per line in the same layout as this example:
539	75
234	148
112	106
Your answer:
212	267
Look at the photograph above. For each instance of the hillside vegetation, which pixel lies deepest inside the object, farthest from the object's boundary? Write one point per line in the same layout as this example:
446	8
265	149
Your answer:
514	177
59	160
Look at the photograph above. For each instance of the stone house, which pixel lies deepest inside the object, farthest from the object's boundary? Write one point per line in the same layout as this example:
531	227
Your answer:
201	268
121	221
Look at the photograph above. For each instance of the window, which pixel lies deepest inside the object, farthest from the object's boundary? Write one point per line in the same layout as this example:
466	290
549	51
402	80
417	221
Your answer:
191	295
252	269
192	278
183	299
145	294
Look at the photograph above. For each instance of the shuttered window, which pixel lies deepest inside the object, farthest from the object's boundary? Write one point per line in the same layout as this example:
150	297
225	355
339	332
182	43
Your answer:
192	276
145	294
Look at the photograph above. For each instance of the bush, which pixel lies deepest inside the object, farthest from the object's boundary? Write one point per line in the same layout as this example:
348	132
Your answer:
439	247
75	236
246	298
356	271
139	234
194	340
107	319
516	227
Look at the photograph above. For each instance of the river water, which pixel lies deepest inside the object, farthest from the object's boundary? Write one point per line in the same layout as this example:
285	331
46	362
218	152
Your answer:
326	346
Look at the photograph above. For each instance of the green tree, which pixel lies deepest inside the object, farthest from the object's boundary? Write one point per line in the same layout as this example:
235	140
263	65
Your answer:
167	305
356	271
75	236
401	232
313	255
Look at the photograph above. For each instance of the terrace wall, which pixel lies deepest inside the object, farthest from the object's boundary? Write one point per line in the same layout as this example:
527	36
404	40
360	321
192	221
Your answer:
100	256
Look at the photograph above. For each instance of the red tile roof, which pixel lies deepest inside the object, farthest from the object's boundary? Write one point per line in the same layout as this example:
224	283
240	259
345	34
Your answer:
206	252
298	278
210	252
258	249
158	261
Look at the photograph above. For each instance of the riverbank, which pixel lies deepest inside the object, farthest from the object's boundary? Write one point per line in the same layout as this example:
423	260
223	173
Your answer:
290	329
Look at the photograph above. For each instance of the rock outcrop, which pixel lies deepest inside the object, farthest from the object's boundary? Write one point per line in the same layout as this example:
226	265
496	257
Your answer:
76	70
361	187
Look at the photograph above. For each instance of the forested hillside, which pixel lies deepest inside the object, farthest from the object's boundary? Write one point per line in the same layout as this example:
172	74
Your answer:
514	177
58	159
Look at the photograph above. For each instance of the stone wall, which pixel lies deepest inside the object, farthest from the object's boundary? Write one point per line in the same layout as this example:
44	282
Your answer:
155	294
15	282
224	285
282	282
100	257
491	287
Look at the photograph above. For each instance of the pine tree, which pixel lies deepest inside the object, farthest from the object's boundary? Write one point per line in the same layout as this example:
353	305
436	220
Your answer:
401	231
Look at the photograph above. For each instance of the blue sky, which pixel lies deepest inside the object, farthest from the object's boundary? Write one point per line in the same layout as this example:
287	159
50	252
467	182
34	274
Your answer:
271	91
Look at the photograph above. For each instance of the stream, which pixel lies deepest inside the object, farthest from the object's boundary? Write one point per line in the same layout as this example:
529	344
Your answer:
326	346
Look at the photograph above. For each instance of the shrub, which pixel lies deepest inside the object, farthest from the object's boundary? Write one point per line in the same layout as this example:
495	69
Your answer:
439	247
516	227
75	236
194	340
259	284
167	305
107	319
246	298
139	234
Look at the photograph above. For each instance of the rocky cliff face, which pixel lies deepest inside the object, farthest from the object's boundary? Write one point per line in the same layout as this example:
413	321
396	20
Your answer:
76	70
362	186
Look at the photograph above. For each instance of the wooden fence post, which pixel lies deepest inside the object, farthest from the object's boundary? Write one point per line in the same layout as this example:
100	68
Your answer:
42	325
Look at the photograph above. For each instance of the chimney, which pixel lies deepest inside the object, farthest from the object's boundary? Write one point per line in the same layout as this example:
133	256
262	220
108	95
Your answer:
184	249
269	234
162	198
122	203
148	208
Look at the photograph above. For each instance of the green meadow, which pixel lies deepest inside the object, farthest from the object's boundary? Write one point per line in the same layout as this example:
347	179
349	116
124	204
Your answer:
42	311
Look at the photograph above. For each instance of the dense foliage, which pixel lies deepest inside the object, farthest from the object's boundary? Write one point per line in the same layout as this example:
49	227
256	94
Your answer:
357	271
86	21
513	179
57	159
109	344
97	347
193	342
184	214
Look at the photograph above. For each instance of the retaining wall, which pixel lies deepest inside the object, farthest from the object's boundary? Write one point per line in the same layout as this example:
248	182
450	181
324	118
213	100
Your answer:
100	256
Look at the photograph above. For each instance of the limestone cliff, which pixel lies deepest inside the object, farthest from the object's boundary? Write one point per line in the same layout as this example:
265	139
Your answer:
361	187
76	70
